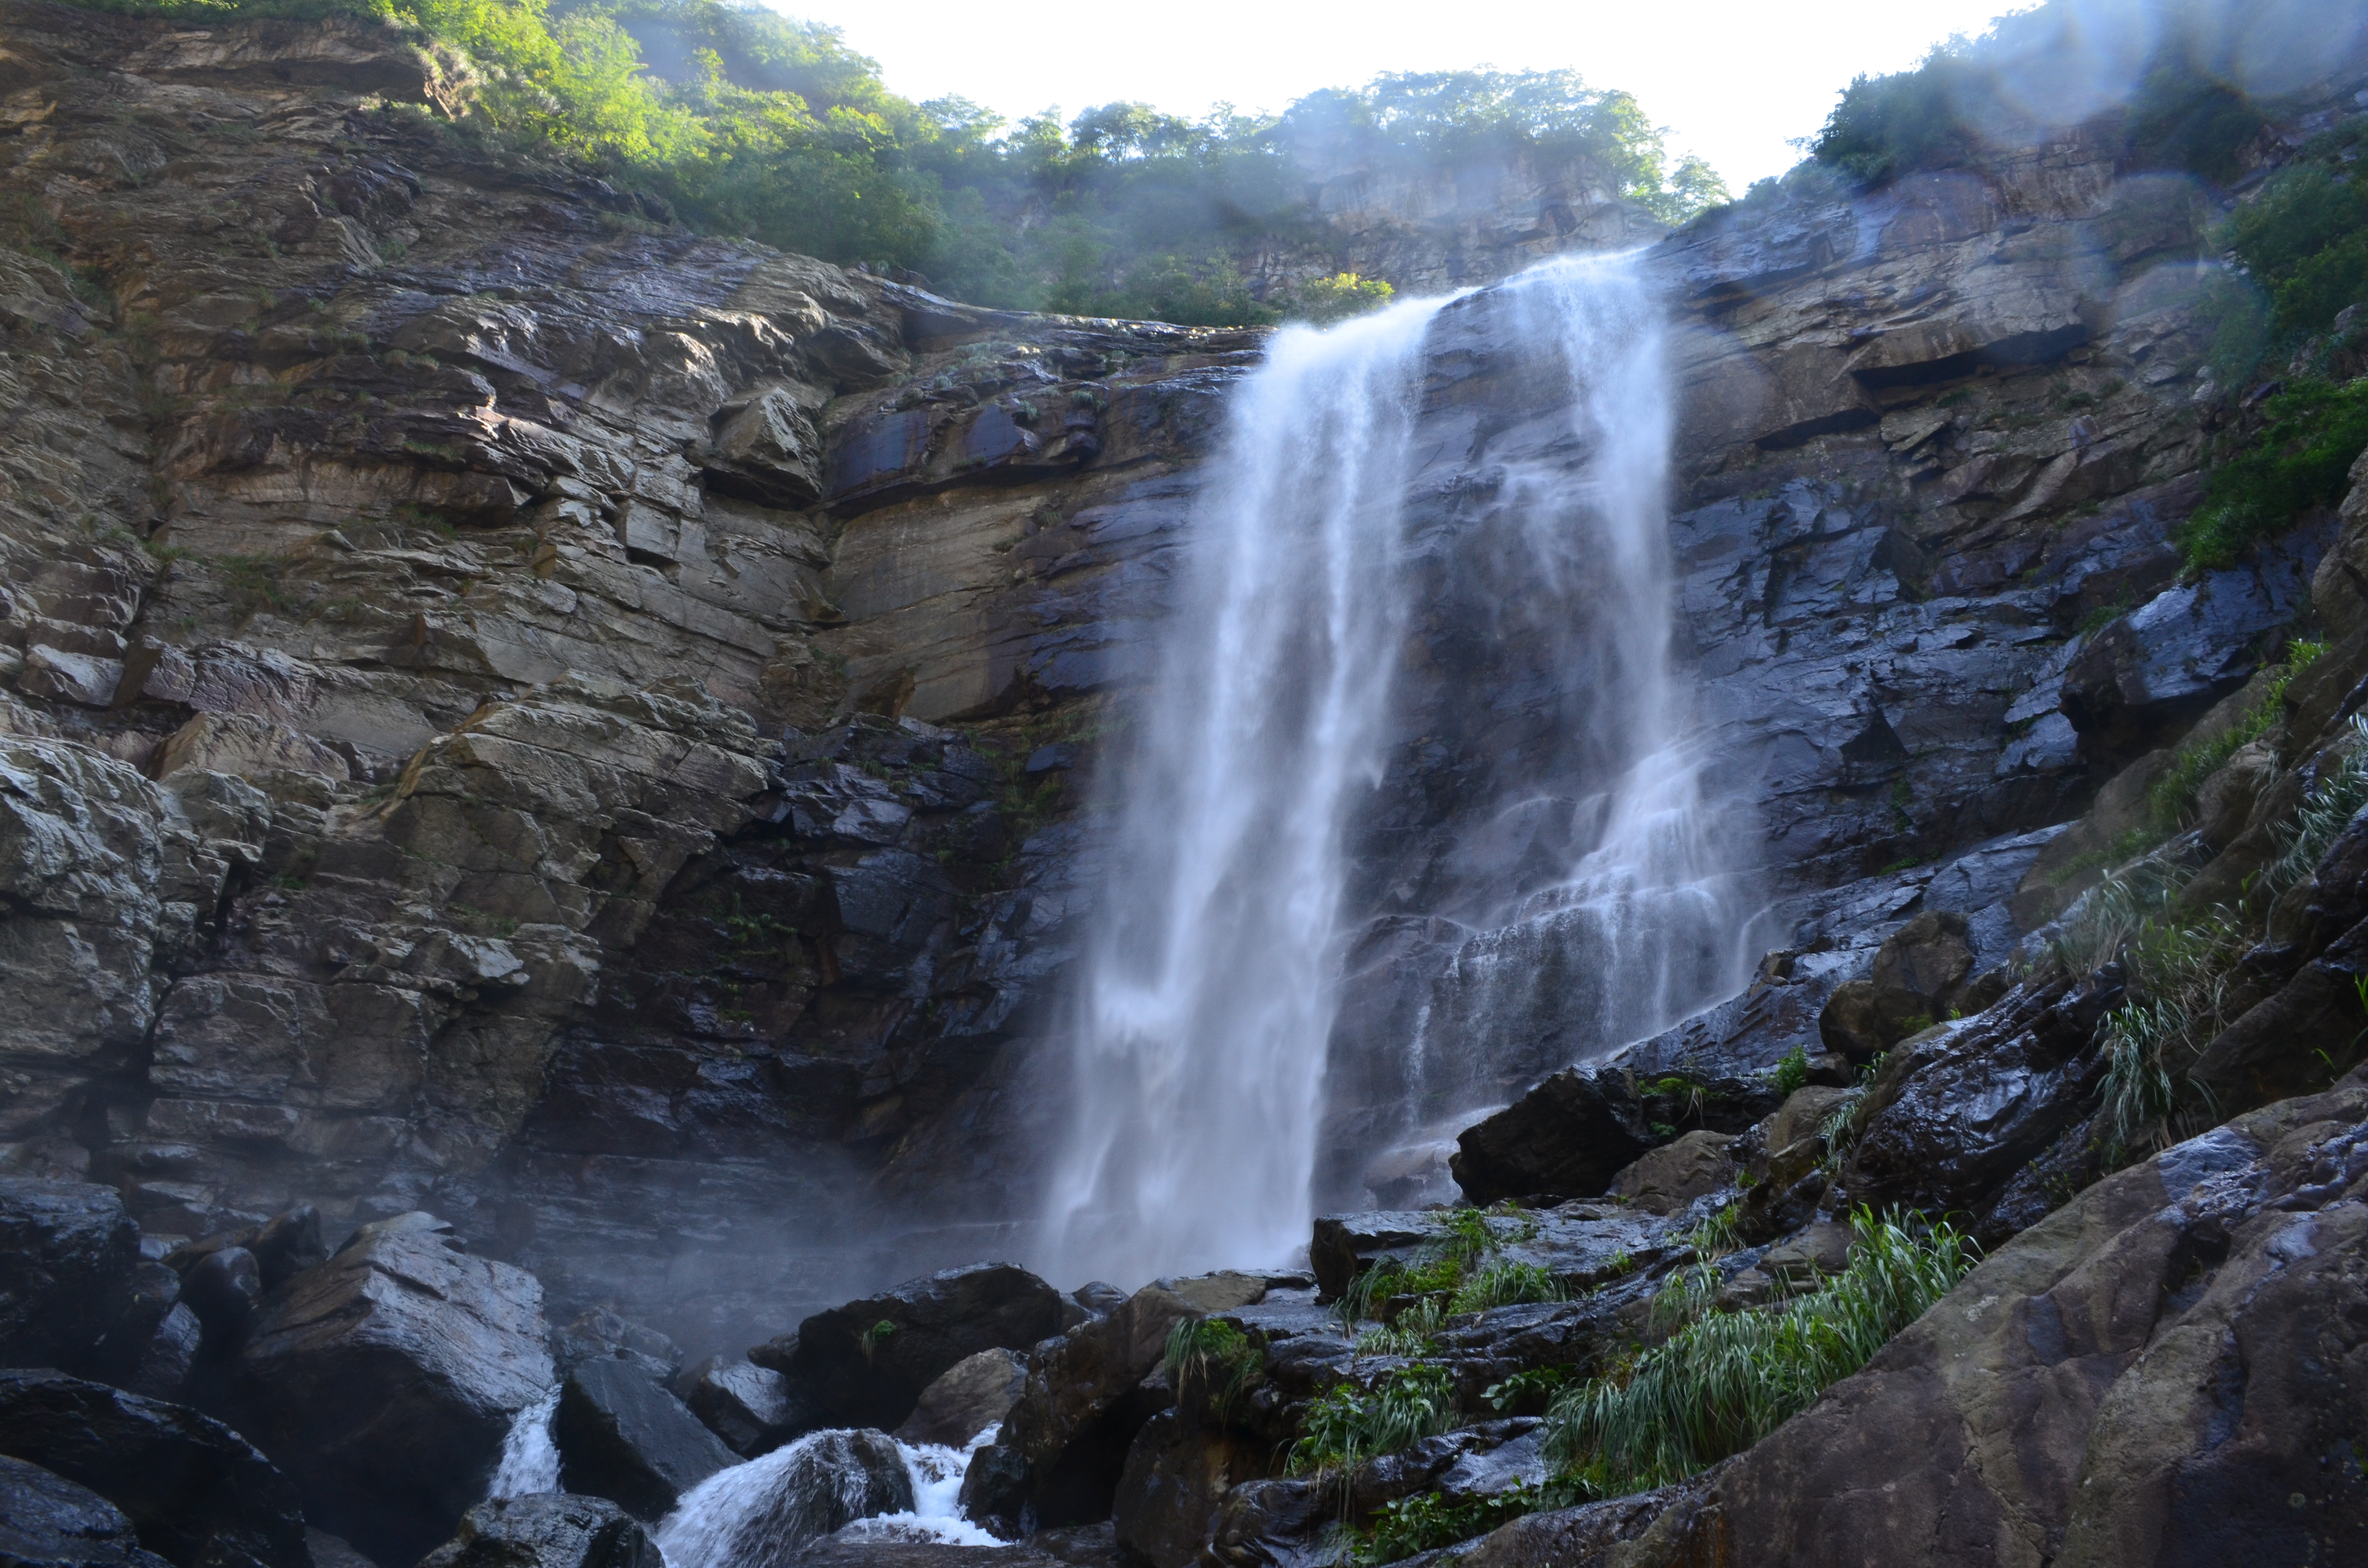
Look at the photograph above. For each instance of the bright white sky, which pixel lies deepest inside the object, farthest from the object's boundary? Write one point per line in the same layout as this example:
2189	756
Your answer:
1734	80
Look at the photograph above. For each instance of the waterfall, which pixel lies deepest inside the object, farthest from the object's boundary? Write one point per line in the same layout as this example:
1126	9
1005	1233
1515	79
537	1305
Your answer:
530	1461
764	1512
1357	583
1206	995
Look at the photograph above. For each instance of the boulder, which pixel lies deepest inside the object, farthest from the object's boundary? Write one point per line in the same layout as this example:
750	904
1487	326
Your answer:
333	1552
601	1334
1568	1537
1804	1111
754	1409
1566	1138
1176	1479
150	1346
224	1289
868	1361
1923	973
385	1380
199	1494
622	1436
551	1530
47	1521
1674	1174
970	1396
1088	1392
68	1253
771	1509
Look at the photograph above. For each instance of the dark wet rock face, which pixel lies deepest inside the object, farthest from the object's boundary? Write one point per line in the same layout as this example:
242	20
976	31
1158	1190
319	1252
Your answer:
754	1409
972	1394
199	1494
868	1363
1568	1136
67	1253
385	1379
624	1437
47	1521
552	1531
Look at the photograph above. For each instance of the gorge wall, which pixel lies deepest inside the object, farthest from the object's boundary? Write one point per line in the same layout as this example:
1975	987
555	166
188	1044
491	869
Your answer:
523	711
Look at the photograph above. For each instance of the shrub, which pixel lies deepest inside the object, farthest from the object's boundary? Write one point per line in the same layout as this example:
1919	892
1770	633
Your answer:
1503	1283
1408	1525
1728	1379
1323	301
2302	459
1213	1360
1792	1072
1348	1425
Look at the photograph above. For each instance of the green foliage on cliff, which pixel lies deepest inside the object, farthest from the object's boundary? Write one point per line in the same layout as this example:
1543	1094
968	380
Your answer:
1969	95
1728	1379
1348	1425
2301	458
755	124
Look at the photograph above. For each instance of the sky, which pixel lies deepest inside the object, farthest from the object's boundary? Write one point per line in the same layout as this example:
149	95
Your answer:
1736	81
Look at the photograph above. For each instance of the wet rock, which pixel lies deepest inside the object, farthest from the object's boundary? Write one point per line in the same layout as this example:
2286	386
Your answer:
1674	1174
1568	1136
551	1530
333	1552
873	1552
601	1335
1958	1109
222	1288
779	1505
67	1257
972	1394
200	1495
1923	973
754	1409
623	1436
2142	1376
868	1361
385	1380
1270	1524
1802	1114
1176	1478
1088	1393
148	1349
1568	1537
47	1521
1583	1245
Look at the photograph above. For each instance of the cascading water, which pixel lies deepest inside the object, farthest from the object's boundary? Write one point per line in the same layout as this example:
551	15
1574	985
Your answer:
530	1461
1591	888
1208	993
854	1483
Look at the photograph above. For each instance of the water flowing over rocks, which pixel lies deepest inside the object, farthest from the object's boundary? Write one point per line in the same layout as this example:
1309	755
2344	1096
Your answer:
550	1531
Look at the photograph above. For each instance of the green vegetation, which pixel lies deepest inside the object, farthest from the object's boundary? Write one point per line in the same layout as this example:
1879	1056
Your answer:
2301	458
754	124
1348	1425
1727	1378
1792	1072
1210	1360
1459	1272
1964	96
2170	801
1409	1524
2183	968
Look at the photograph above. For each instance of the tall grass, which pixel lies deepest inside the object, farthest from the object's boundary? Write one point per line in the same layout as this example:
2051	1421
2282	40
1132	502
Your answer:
1348	1425
1728	1379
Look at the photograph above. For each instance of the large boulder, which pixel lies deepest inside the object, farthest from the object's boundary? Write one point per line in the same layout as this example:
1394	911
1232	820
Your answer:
199	1494
551	1530
47	1521
622	1436
970	1396
152	1344
68	1253
385	1379
1088	1392
868	1361
1671	1177
1176	1479
770	1510
2166	1370
1922	974
1566	1138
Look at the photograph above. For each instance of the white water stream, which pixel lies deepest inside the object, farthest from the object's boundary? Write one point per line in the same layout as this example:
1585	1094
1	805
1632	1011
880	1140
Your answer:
1210	991
763	1513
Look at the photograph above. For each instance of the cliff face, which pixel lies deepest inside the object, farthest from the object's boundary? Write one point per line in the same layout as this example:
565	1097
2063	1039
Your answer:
524	712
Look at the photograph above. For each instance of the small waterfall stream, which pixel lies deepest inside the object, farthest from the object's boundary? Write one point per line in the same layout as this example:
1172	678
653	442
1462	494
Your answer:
530	1461
1594	874
763	1513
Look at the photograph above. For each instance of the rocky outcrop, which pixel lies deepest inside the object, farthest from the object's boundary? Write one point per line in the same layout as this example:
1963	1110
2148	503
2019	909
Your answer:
46	1521
385	1380
2143	1376
67	1257
552	1531
623	1436
198	1493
